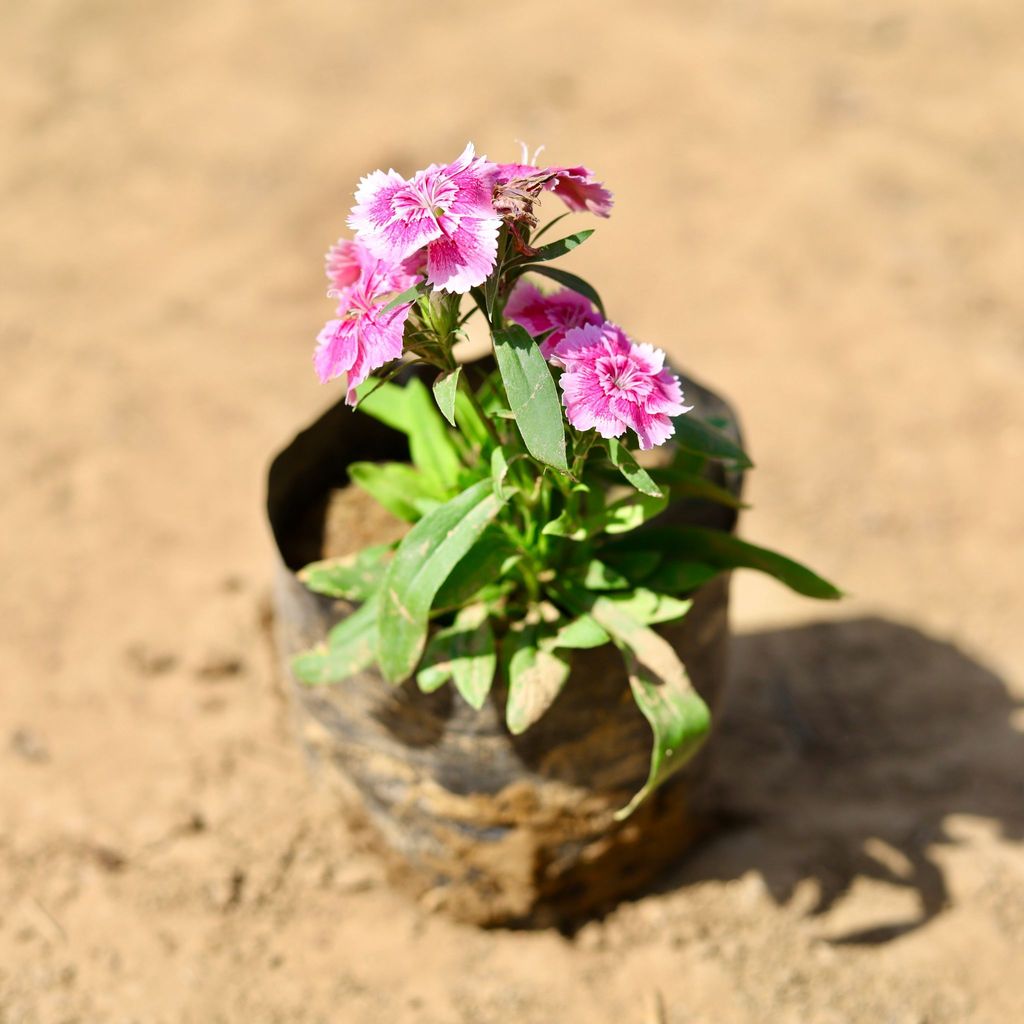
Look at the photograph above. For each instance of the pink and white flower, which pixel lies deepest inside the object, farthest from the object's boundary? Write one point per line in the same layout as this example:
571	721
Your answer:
611	384
365	335
447	210
558	312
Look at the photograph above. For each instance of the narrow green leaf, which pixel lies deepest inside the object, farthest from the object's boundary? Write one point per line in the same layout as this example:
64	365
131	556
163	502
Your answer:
464	653
576	283
694	435
565	524
445	388
681	483
430	444
424	560
435	667
470	423
409	295
626	514
499	470
411	410
395	485
485	565
386	402
553	250
532	395
474	660
354	577
648	607
622	459
636	566
678	717
581	632
724	551
349	649
673	577
535	676
598	576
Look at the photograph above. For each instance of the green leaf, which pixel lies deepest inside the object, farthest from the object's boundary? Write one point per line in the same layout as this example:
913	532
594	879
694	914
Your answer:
553	250
622	459
354	577
681	577
468	420
648	607
430	444
694	435
349	649
535	676
409	295
626	514
486	564
436	664
567	525
598	576
474	660
532	395
386	402
424	560
681	483
576	283
499	470
411	410
464	653
445	388
678	717
395	485
581	632
634	565
724	551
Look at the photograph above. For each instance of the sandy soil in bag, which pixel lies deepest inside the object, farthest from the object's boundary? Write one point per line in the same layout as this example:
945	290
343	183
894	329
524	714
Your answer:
819	214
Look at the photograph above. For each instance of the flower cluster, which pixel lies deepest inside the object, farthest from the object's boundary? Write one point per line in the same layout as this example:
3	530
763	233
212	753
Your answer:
447	230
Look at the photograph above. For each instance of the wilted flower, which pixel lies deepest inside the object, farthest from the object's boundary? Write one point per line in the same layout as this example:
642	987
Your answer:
611	384
364	336
447	209
558	312
519	184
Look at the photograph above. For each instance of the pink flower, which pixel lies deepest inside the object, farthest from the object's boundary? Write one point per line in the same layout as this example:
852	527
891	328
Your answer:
364	336
559	312
611	384
575	186
447	209
346	262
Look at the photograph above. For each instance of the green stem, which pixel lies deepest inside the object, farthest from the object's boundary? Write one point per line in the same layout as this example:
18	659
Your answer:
581	446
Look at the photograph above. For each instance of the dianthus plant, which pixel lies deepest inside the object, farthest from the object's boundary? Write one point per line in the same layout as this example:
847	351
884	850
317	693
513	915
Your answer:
530	534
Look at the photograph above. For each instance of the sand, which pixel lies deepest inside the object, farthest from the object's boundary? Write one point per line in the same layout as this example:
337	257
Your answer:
818	213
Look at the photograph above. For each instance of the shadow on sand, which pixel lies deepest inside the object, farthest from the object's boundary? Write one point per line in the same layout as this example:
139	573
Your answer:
842	747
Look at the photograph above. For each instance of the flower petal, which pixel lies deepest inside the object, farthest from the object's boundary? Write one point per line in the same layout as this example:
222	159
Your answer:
464	258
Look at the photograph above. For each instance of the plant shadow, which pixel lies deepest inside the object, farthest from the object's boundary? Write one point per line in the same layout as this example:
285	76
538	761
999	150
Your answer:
841	749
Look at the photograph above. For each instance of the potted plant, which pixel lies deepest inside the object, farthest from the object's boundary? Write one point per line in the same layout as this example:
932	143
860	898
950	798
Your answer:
503	584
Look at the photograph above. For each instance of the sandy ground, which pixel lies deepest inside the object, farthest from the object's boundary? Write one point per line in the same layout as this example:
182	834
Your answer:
819	212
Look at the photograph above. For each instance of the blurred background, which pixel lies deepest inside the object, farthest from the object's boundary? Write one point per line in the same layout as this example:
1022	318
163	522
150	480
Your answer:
818	213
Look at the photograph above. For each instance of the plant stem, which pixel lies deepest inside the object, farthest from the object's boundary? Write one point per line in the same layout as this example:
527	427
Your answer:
582	443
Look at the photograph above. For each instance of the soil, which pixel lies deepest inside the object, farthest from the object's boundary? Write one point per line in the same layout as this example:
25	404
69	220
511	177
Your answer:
816	214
